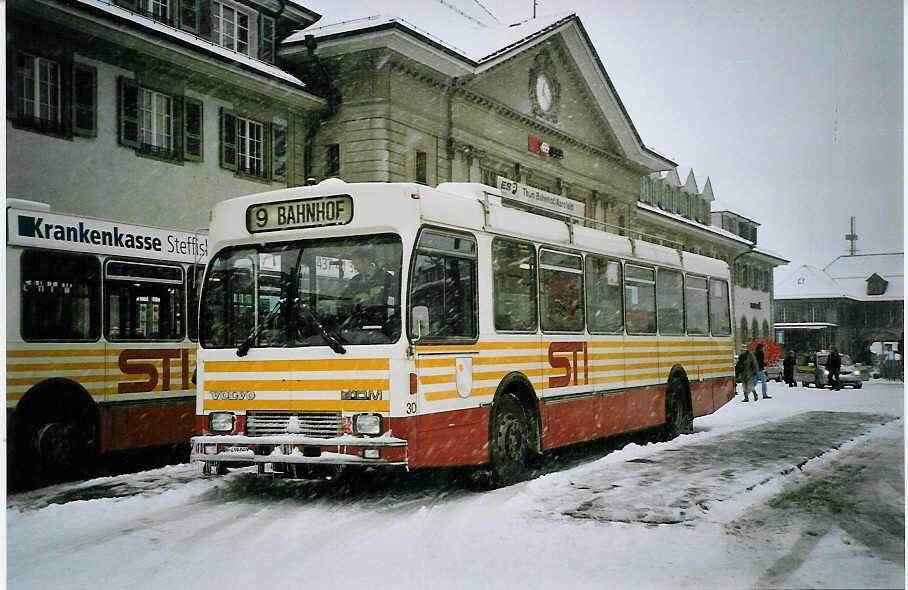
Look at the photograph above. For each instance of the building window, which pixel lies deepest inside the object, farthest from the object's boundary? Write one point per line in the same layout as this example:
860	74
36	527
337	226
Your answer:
38	92
421	167
332	167
267	35
230	27
250	147
156	116
152	122
244	147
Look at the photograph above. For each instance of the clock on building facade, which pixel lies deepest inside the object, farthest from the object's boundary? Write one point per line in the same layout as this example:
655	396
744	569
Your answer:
544	88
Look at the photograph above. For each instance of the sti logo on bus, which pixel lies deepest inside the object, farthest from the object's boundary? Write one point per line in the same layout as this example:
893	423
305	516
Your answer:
300	213
150	371
568	364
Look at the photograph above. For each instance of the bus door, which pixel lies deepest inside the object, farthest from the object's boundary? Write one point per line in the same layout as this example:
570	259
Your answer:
444	323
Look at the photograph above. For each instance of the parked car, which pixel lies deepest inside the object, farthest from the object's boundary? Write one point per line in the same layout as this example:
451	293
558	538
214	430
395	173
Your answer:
814	372
865	371
774	371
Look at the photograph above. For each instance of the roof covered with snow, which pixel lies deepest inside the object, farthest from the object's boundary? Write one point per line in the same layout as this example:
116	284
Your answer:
185	38
852	272
845	277
464	28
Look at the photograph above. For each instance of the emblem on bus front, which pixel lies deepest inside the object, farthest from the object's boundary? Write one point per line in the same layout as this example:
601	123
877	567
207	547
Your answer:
235	395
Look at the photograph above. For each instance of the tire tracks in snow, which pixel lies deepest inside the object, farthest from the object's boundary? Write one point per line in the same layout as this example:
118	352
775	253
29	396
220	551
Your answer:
681	483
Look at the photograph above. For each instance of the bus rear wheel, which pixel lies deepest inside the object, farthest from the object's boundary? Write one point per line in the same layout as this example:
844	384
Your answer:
55	445
510	441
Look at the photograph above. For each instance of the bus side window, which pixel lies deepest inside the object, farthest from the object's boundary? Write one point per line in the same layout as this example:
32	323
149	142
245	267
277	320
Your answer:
719	313
514	285
670	302
444	281
640	299
560	291
60	296
696	306
605	308
143	301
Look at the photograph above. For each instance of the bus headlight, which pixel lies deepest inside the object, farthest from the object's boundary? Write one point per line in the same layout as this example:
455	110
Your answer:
221	421
367	424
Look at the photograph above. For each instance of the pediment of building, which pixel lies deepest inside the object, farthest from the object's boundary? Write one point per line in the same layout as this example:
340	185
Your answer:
544	84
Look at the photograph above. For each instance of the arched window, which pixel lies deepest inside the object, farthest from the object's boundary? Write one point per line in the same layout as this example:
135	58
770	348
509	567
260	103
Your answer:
766	333
744	337
755	329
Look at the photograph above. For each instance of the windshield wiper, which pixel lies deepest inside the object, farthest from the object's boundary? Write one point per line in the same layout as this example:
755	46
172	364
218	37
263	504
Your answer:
332	341
243	349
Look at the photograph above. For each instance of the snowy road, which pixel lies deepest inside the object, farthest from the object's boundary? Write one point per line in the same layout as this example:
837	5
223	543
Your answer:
804	490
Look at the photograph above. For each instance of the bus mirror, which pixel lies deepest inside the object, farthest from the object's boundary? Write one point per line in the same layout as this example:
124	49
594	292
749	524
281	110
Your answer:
420	318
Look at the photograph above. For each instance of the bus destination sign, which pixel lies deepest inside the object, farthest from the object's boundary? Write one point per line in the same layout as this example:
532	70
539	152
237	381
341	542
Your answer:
300	213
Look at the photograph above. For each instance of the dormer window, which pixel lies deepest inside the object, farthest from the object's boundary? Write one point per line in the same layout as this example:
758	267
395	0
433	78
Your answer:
230	27
876	285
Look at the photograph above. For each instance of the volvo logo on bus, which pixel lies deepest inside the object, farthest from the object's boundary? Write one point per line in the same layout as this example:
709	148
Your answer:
300	213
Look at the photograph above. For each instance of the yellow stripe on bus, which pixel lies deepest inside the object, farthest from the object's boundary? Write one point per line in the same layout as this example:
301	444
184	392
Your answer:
297	384
299	405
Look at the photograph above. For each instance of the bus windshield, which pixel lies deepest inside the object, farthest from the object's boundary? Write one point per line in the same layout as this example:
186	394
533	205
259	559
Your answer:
304	293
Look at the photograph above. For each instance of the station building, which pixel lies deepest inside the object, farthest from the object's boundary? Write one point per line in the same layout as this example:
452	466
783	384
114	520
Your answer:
856	304
152	111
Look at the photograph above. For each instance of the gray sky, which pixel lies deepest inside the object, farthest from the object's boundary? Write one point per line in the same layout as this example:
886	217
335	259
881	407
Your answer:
793	108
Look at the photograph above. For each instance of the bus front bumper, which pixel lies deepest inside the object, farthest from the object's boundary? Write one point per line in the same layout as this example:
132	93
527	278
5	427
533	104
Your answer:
382	450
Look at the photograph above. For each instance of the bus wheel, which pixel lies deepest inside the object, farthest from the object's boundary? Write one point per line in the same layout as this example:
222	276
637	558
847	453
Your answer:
57	445
679	413
510	443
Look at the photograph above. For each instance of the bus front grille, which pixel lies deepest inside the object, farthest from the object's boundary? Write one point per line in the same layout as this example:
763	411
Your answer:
317	424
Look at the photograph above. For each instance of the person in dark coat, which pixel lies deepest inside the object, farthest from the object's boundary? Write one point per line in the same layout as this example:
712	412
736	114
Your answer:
745	371
788	368
834	366
761	369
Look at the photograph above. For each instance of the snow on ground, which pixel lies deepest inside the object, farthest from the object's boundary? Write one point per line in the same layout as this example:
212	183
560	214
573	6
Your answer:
803	490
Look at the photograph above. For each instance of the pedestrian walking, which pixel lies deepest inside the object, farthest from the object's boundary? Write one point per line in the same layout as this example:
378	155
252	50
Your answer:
834	365
788	368
761	369
745	371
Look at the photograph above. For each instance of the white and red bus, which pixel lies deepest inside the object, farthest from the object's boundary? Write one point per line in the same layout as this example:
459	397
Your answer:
497	333
101	327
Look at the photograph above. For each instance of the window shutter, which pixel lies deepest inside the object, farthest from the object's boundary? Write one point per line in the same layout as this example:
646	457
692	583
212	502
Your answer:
278	152
228	139
85	107
129	112
193	138
189	16
266	38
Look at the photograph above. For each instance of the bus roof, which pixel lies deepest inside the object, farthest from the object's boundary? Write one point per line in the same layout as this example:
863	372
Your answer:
334	207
